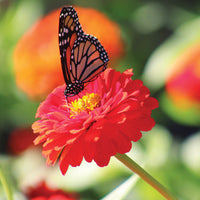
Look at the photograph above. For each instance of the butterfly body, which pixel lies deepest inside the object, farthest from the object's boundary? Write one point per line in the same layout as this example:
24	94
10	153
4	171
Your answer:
83	58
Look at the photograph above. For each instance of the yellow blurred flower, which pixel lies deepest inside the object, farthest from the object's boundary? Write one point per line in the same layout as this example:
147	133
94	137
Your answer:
37	64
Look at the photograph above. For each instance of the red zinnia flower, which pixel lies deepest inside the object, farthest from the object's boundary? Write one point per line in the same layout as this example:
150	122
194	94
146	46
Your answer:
112	112
43	192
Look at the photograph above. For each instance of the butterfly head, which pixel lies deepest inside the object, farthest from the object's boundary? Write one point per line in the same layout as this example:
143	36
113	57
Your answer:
73	89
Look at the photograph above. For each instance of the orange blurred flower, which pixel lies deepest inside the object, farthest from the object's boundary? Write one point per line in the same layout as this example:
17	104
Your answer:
36	57
183	83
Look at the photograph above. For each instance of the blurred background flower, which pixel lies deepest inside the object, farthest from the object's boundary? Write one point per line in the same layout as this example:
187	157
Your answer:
20	139
176	66
158	39
42	191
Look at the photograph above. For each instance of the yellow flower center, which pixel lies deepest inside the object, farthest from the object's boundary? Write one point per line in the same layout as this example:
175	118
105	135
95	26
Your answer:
87	103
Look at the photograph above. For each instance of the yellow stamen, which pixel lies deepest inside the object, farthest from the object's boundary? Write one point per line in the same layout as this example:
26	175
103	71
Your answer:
87	103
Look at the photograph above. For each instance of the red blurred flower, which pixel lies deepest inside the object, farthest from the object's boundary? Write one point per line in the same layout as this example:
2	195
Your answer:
112	112
43	192
36	57
183	84
20	139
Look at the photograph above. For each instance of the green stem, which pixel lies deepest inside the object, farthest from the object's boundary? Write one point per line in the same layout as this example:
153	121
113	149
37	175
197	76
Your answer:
5	185
133	166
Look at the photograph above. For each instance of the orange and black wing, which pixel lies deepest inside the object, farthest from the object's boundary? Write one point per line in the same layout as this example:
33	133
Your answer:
69	30
88	58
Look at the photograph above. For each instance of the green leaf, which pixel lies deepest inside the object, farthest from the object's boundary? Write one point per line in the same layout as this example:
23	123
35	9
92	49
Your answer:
6	185
123	190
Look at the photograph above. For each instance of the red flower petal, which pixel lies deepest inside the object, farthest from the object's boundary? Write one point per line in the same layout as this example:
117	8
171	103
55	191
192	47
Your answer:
71	155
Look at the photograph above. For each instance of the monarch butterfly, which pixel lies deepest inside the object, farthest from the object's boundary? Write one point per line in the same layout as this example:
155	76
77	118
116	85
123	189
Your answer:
83	58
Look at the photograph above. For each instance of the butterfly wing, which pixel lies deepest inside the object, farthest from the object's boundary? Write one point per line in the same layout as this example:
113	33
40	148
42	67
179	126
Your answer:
88	59
69	30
